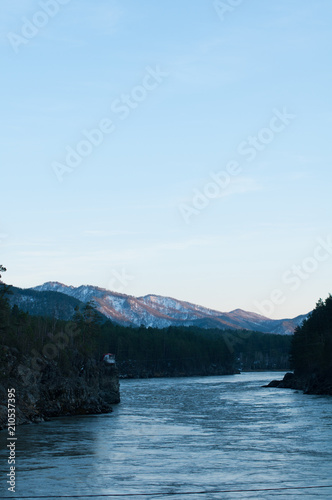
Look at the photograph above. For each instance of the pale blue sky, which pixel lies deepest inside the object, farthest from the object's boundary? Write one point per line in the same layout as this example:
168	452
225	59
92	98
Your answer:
120	209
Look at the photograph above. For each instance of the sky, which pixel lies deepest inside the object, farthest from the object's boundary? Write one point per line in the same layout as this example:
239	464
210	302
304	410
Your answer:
180	148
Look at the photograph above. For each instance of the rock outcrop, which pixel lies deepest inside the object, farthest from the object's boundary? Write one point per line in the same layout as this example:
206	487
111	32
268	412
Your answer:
320	384
44	389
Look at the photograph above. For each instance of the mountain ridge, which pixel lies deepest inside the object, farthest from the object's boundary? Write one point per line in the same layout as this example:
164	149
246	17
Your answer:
157	311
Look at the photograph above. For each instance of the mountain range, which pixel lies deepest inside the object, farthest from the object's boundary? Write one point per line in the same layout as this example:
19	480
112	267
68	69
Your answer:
59	300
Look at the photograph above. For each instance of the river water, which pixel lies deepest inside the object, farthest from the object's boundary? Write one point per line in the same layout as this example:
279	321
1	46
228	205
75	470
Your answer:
183	435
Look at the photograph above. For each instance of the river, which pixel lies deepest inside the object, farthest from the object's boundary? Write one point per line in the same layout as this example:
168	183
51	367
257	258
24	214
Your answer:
183	435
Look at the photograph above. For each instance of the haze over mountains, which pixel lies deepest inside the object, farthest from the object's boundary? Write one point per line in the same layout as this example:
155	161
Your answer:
155	311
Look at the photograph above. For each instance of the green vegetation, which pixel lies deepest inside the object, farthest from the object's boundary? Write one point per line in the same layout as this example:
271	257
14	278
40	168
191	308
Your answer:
311	349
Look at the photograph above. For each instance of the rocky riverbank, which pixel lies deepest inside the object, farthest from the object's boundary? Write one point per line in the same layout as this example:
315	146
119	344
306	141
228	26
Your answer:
320	384
44	390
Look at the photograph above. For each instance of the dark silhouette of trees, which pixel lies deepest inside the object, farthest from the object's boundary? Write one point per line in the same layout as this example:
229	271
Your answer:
311	349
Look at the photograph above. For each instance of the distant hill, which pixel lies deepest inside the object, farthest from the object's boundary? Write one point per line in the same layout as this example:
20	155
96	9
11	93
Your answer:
150	311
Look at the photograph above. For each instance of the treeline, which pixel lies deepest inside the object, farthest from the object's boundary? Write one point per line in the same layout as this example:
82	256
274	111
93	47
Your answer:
260	351
311	349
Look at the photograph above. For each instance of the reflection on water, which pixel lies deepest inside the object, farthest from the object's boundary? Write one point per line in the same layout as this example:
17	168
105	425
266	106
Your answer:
184	434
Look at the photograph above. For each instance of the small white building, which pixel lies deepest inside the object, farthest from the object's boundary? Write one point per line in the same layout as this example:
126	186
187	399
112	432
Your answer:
109	359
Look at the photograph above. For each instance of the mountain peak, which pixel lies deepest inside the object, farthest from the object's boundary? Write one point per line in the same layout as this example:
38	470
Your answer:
51	286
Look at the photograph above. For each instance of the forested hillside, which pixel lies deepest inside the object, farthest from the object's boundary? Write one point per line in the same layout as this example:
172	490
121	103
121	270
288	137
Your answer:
311	353
140	352
311	350
42	303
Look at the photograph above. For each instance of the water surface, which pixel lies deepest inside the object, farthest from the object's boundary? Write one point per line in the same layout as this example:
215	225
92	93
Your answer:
184	435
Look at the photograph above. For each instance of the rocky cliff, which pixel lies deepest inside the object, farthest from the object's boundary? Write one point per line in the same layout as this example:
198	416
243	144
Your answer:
45	390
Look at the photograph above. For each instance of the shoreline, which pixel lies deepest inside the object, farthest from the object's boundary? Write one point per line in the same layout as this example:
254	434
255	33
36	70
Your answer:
315	383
